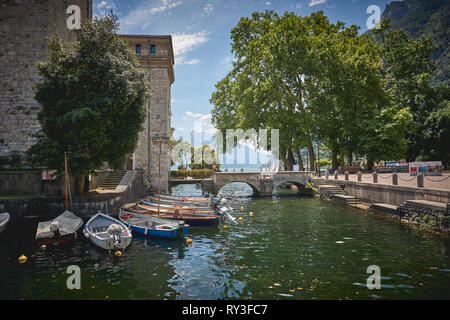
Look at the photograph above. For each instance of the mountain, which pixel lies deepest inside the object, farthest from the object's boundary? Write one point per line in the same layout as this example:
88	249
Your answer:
430	18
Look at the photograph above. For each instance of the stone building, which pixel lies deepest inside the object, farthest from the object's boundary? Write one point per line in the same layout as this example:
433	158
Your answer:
24	26
155	55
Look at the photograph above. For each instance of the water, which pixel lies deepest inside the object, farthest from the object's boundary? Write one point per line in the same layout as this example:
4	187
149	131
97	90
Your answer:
292	248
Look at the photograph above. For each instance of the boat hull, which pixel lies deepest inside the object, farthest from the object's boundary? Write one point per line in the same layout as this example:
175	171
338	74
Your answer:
193	220
157	233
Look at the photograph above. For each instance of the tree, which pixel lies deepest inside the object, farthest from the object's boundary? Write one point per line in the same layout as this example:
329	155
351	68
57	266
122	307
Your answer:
92	96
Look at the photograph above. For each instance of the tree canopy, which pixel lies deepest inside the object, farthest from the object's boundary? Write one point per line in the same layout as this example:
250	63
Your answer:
92	96
321	81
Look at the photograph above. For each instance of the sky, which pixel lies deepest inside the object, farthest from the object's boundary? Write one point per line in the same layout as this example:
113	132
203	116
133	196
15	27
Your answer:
200	32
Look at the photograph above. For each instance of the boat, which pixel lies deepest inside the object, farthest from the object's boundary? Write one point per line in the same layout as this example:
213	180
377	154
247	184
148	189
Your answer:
183	203
107	233
175	207
62	229
4	219
153	226
193	220
188	199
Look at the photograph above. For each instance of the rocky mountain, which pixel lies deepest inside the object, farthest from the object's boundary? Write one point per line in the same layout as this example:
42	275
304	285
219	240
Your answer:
430	18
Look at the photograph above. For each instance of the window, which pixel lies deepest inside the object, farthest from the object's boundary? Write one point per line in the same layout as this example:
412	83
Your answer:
138	49
152	49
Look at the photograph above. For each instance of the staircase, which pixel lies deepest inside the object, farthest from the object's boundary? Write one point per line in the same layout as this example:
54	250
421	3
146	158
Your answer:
334	192
113	180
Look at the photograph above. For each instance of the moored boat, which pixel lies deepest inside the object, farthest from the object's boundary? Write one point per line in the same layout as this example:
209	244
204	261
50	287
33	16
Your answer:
4	219
59	230
176	207
107	233
193	220
153	226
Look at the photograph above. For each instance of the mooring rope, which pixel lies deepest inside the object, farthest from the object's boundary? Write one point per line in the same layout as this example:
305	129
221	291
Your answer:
440	180
407	180
386	177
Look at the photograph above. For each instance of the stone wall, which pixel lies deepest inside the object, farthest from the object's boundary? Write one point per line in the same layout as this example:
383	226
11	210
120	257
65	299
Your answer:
83	206
24	26
20	183
396	195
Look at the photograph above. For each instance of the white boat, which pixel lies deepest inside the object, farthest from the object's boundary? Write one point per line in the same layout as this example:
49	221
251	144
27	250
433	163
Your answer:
107	233
59	230
4	219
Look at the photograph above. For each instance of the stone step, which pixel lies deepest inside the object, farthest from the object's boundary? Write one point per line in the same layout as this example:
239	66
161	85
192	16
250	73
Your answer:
113	179
345	198
384	208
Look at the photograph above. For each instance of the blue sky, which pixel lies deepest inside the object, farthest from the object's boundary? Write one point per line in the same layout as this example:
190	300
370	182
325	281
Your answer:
201	39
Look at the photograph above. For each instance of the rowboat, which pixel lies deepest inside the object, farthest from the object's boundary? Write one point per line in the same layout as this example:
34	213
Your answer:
180	209
107	233
176	207
62	229
193	220
4	219
185	199
184	203
153	226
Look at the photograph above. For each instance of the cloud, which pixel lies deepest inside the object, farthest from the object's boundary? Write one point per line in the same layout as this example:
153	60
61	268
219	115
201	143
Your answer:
199	116
316	2
141	14
186	42
267	3
105	6
208	8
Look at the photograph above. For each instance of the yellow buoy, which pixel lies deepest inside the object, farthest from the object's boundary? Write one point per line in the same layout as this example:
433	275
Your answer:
242	208
22	259
118	253
251	214
188	241
225	227
240	219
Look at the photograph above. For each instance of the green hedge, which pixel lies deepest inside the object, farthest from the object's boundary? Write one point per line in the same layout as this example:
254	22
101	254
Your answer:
195	174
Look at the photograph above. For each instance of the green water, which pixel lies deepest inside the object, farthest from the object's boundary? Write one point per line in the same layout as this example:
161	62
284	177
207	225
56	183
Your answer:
292	248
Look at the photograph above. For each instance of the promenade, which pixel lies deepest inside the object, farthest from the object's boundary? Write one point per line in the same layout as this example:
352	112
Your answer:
404	180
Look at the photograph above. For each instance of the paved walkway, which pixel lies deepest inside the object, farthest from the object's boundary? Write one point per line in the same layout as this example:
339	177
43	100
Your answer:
404	179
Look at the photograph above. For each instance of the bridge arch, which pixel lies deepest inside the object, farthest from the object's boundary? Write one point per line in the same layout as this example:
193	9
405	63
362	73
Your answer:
255	189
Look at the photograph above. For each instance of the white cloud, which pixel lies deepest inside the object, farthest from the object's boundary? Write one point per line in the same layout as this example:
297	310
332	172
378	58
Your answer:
141	14
267	3
208	8
185	42
316	2
105	6
199	116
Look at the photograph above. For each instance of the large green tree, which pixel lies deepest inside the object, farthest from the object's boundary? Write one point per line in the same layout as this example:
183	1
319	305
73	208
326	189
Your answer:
92	96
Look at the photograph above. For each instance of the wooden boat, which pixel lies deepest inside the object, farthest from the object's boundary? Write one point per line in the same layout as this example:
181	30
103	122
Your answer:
62	229
172	208
183	203
152	226
185	199
193	220
4	219
107	233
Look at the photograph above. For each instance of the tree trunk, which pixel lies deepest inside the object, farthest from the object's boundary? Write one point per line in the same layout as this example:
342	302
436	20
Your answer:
334	159
86	184
350	158
369	164
300	160
342	158
283	157
312	156
291	159
79	185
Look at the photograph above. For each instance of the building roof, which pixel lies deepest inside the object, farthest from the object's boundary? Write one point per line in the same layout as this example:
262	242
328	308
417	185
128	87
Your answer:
166	37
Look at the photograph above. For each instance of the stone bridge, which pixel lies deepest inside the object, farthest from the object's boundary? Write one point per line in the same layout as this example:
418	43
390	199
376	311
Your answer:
262	183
